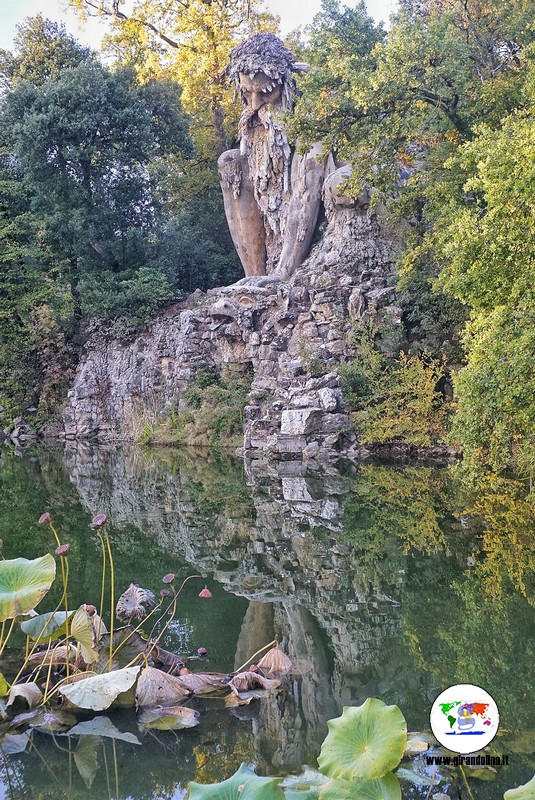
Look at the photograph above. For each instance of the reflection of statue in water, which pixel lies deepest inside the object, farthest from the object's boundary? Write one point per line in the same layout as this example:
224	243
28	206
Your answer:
272	195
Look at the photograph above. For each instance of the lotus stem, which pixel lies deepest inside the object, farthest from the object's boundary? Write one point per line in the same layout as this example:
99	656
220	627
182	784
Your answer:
112	597
115	767
47	694
102	583
470	795
173	606
265	647
138	627
6	640
106	769
35	644
66	602
2	631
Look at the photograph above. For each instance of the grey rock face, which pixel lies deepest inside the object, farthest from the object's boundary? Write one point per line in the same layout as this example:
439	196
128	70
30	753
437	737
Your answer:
291	335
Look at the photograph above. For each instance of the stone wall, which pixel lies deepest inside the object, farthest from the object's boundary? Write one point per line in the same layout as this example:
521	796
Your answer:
290	334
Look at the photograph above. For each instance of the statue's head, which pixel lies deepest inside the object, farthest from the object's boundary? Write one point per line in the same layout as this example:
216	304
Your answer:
261	69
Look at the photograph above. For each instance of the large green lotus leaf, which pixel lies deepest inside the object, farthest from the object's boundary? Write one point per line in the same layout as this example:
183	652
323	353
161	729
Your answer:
367	741
100	691
24	583
302	794
385	788
524	792
243	785
47	626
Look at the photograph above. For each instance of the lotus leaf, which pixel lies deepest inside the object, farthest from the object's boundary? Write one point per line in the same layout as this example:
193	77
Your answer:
98	692
83	629
85	758
251	681
157	688
30	692
169	718
47	626
205	682
24	583
13	743
307	778
4	686
275	662
127	644
102	726
524	792
302	794
47	721
57	656
414	777
243	785
385	788
367	741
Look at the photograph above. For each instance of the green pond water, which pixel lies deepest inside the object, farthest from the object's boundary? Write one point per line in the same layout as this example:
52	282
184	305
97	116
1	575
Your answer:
381	581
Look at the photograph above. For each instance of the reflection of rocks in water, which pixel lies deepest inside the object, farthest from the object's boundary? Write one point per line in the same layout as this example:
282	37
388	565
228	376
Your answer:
275	540
289	729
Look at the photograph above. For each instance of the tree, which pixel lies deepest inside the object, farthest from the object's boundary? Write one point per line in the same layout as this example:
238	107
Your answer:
488	254
43	50
85	144
189	41
437	116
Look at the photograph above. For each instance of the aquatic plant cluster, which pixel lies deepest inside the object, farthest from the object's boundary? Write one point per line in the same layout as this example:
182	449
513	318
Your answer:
73	664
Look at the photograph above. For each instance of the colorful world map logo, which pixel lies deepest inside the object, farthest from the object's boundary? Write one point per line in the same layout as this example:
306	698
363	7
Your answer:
464	718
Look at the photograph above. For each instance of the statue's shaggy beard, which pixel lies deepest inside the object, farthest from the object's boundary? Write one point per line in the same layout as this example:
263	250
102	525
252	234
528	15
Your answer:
265	143
266	146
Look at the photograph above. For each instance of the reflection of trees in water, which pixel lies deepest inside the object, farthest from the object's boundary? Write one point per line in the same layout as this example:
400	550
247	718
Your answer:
383	582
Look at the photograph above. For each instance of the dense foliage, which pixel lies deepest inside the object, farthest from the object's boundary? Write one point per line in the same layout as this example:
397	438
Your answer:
437	115
89	224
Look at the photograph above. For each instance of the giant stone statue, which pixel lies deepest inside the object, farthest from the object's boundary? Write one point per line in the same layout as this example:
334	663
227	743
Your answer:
272	194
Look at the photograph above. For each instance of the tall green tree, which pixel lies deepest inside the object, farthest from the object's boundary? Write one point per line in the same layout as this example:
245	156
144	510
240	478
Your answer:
84	144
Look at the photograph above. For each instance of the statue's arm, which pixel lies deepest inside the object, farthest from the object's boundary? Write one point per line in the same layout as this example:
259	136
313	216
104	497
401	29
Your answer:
242	212
308	172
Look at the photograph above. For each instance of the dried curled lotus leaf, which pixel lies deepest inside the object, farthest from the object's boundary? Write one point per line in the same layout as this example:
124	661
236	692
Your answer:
275	662
204	682
30	692
157	688
57	656
23	584
367	741
99	691
168	718
251	681
243	785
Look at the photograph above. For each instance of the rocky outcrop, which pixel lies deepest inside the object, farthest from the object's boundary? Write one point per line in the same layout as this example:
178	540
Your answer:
290	335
